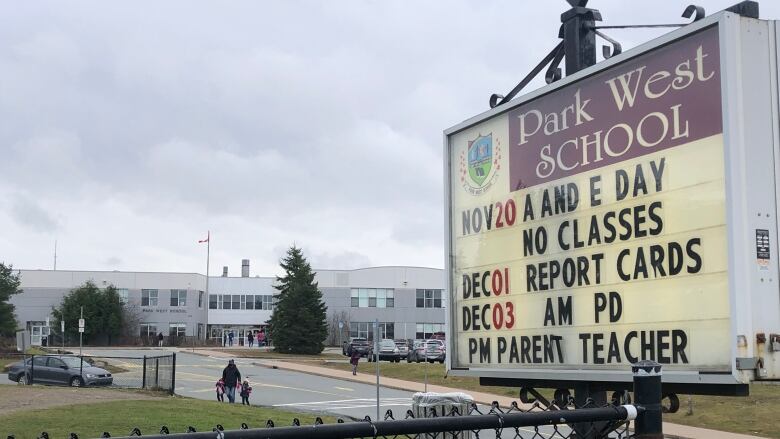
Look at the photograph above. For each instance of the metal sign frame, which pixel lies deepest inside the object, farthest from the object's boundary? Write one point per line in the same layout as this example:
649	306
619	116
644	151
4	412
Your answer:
747	130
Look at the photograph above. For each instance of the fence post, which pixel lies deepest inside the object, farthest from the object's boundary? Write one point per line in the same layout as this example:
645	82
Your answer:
143	377
647	397
32	369
173	375
157	373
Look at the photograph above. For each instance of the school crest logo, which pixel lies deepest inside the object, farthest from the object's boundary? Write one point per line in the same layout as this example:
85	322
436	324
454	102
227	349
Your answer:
479	164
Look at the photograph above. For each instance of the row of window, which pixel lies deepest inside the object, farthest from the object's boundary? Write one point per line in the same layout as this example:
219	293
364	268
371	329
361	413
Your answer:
241	301
425	331
372	298
174	329
150	297
429	299
365	330
385	298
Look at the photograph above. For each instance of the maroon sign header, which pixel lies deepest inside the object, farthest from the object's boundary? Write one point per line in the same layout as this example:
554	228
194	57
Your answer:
664	98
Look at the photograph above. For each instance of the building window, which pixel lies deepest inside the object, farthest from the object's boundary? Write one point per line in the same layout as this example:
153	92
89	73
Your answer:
259	302
236	301
179	298
212	301
426	330
366	330
226	301
148	329
372	298
250	301
148	297
122	293
429	299
200	299
177	329
268	302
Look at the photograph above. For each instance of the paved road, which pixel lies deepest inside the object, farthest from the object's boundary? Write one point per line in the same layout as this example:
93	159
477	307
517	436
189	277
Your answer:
196	375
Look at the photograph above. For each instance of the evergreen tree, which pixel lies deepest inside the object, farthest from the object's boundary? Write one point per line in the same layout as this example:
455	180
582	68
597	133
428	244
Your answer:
103	313
9	285
299	323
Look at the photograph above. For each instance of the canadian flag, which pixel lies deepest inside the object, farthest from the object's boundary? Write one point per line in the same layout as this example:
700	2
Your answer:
208	235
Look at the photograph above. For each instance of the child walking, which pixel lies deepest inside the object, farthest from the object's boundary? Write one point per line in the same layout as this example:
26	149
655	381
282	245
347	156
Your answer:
245	391
220	390
354	358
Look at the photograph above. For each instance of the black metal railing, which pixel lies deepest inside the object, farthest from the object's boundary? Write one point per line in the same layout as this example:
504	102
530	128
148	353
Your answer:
605	422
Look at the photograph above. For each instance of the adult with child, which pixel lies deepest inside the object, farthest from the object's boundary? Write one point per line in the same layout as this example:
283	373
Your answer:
232	379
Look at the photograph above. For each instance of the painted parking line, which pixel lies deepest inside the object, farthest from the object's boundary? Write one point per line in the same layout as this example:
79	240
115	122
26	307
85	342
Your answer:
344	388
342	404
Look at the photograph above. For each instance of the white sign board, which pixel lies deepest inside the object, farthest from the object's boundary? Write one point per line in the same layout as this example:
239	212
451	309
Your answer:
81	324
81	329
599	221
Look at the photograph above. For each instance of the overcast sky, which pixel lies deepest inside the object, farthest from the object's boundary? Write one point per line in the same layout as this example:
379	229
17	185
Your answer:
129	129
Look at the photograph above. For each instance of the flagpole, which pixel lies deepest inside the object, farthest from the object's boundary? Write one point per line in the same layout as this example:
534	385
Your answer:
208	254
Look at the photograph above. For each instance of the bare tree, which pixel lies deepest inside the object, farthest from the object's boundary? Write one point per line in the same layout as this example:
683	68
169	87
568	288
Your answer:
337	336
131	320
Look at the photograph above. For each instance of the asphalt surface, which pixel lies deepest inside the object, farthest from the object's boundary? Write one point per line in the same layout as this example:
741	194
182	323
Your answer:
196	376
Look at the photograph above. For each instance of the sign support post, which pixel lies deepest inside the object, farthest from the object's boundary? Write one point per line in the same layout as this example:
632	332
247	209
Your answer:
81	330
376	360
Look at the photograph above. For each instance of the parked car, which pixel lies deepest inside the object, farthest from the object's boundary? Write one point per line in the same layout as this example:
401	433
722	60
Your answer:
361	344
403	348
387	351
417	352
59	369
435	350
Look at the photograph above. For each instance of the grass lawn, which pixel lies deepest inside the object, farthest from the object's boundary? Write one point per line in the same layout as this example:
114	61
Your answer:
120	417
416	372
271	355
756	415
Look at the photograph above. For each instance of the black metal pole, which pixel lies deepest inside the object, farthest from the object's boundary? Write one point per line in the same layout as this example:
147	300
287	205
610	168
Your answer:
173	375
157	373
647	398
143	376
579	37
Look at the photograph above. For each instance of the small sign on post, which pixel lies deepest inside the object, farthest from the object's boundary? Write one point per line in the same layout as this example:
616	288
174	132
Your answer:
81	324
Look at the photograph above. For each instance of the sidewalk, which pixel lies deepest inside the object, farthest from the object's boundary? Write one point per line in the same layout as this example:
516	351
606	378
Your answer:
672	431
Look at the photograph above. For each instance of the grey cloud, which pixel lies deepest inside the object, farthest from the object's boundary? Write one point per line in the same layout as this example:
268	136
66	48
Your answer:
30	214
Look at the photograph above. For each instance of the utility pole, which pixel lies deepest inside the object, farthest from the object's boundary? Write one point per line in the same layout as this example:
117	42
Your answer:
55	255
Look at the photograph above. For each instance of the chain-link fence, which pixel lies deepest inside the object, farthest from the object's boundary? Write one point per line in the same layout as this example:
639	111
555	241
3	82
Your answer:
492	422
142	372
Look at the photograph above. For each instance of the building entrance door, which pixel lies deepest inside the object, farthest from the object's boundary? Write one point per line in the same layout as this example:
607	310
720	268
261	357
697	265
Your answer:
38	330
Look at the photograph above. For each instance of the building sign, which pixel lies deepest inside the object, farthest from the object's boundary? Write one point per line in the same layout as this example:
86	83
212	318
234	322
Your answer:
588	225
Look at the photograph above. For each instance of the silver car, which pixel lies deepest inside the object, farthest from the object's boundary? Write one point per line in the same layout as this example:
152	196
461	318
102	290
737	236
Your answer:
59	369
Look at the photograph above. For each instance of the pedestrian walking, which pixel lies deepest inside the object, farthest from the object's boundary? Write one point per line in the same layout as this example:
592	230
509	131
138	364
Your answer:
230	339
261	338
250	339
160	339
354	359
232	379
221	390
245	391
224	339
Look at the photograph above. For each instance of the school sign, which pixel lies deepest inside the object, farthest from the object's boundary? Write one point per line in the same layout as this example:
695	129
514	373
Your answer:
626	212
